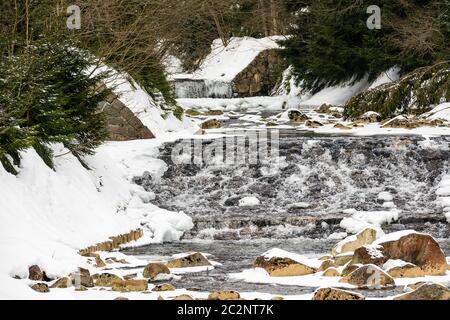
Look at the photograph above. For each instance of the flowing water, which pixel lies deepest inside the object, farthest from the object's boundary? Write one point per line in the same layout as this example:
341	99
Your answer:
304	197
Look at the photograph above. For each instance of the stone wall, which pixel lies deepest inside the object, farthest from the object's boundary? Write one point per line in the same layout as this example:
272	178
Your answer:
122	124
261	76
114	243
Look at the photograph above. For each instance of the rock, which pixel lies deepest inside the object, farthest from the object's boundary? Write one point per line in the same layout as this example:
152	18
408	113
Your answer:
283	267
99	263
40	287
326	257
130	285
313	124
341	126
106	280
336	294
419	249
297	116
121	299
400	122
183	297
213	113
331	272
369	276
130	276
369	117
160	298
414	286
326	264
164	287
350	244
153	269
192	260
224	295
211	124
349	268
405	270
192	113
342	259
277	298
81	288
35	273
370	254
324	108
62	283
427	291
83	278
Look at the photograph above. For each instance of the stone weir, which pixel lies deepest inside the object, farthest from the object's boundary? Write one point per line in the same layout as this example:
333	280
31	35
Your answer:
113	243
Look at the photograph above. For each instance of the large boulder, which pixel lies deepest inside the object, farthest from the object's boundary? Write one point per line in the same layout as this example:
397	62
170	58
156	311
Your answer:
331	272
369	276
279	263
154	269
402	269
350	244
336	294
192	260
342	259
419	249
427	291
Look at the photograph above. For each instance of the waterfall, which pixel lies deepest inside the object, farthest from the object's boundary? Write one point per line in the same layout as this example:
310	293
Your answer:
188	88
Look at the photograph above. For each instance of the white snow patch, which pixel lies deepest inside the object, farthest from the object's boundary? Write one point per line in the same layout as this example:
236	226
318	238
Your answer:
249	202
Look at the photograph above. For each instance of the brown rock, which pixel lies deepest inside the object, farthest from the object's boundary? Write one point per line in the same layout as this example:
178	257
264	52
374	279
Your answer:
183	297
297	116
350	244
406	271
83	278
414	286
313	124
35	273
106	280
192	260
341	126
211	124
325	108
342	259
160	298
130	285
153	269
99	263
326	257
40	287
164	287
331	272
419	249
62	283
224	295
369	117
81	288
336	294
283	267
213	113
369	255
349	268
326	264
277	298
121	299
427	291
369	276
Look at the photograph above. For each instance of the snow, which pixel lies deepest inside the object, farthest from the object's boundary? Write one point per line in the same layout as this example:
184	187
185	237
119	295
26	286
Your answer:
224	63
443	193
249	202
394	236
279	253
395	263
440	112
361	220
389	76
